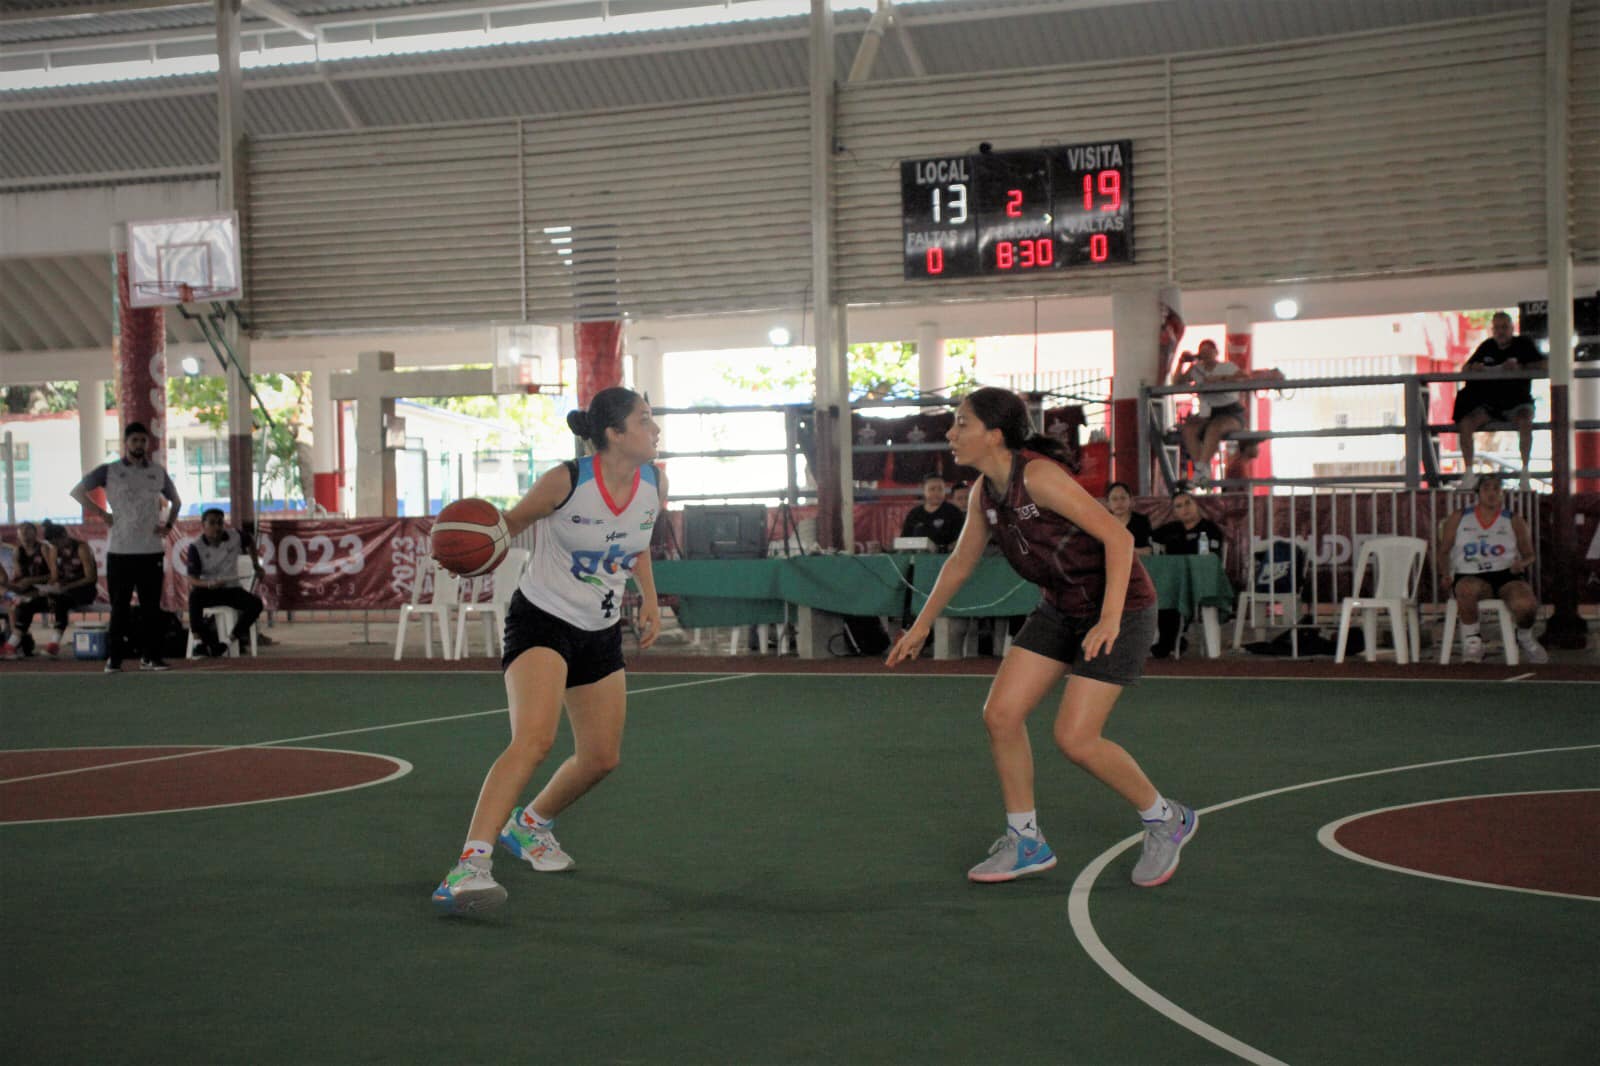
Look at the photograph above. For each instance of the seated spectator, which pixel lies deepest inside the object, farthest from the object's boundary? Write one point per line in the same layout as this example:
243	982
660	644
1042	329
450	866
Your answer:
212	562
1189	533
935	517
1119	501
33	571
1480	402
1219	413
76	584
1490	551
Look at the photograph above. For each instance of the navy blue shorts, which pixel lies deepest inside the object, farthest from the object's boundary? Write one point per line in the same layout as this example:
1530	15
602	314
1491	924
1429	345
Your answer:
591	654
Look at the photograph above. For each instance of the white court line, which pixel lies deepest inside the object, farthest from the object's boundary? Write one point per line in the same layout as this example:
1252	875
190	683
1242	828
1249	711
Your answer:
1083	925
402	768
1519	677
320	736
1326	837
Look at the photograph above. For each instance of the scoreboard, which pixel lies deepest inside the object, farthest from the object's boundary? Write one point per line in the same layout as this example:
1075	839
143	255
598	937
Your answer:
1019	212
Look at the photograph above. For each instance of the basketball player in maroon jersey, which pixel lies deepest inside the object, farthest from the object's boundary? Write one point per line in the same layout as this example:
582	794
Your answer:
1097	619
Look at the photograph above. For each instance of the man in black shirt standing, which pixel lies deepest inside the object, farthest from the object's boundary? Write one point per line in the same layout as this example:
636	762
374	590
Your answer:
936	517
1480	402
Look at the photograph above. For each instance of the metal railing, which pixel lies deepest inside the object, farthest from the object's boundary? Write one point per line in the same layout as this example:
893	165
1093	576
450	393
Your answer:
1421	458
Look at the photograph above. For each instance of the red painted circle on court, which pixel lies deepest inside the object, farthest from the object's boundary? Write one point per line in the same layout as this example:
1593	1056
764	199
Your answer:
48	784
1534	841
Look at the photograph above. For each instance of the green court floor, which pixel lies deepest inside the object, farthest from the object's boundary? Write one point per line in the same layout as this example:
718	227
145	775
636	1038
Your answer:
776	874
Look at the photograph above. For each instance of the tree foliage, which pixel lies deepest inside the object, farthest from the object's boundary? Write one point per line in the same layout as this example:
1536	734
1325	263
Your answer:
877	371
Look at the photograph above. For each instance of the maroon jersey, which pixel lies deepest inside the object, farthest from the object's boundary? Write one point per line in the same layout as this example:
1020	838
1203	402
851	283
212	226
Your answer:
1068	564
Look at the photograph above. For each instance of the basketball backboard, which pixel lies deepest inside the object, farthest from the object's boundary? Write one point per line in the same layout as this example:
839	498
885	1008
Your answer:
527	359
184	260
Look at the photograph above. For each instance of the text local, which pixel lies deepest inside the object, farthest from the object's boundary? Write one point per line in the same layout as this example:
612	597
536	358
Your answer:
941	171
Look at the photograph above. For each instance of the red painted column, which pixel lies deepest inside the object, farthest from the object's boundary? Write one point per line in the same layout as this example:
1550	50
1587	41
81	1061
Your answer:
141	365
599	347
1585	442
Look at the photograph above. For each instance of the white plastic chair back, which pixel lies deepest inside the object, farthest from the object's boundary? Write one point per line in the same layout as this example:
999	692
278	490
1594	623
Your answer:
1398	561
446	594
507	574
505	577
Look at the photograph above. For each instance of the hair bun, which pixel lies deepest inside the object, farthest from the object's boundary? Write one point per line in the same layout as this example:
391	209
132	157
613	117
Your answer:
578	422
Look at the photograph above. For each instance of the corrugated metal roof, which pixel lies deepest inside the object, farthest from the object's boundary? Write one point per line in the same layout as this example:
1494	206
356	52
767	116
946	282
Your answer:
165	123
63	303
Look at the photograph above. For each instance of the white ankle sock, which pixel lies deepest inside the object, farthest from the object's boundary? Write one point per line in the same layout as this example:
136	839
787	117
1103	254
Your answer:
477	849
1023	823
1159	811
1524	635
534	820
1469	630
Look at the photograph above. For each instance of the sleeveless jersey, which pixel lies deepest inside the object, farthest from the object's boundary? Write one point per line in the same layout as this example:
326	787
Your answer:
1045	548
30	562
1483	549
69	564
584	552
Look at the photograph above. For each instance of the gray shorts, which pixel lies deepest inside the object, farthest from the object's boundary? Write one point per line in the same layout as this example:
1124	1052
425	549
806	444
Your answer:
1059	636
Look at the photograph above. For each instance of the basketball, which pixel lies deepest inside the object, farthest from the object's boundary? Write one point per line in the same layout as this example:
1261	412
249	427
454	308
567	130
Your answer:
470	538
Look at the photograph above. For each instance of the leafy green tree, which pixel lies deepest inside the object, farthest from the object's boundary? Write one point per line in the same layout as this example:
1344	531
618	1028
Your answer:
878	371
286	399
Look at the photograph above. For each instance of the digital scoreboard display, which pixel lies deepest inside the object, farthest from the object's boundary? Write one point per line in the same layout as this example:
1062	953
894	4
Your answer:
1018	212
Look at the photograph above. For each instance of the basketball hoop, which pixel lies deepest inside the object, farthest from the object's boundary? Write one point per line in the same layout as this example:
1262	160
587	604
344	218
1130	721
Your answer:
157	293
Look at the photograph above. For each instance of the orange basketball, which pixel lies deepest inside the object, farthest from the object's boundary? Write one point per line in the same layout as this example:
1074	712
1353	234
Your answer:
470	537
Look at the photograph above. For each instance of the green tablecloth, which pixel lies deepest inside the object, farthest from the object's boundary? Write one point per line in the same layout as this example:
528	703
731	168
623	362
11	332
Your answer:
728	592
732	592
1187	583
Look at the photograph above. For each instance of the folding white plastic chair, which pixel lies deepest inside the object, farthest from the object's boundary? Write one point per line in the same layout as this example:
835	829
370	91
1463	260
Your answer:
446	593
1265	592
1398	563
504	578
224	617
1507	632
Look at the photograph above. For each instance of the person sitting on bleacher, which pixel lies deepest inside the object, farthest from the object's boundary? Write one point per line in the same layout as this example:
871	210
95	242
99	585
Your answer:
75	582
1480	402
1490	550
935	517
1219	413
1189	533
212	562
33	570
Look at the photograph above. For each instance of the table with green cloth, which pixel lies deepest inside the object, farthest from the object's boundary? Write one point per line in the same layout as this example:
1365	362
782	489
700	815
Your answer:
742	592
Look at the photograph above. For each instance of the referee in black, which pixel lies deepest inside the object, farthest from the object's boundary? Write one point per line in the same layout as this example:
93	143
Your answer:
135	488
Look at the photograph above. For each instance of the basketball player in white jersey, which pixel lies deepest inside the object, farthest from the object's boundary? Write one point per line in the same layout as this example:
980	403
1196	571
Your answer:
563	639
1490	550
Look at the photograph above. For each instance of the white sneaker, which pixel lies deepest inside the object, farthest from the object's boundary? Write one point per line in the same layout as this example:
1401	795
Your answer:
1472	649
536	847
1533	651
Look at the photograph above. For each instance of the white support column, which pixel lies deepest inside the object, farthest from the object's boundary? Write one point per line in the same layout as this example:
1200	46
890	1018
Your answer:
930	358
376	488
1136	355
830	353
649	370
232	195
91	423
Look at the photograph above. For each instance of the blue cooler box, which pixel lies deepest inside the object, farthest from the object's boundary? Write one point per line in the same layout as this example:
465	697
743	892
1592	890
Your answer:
89	641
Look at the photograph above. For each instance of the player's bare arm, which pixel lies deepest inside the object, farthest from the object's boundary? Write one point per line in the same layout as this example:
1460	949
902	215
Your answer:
553	486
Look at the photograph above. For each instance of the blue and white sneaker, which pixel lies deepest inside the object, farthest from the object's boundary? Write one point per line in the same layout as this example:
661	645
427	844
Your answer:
469	888
1011	857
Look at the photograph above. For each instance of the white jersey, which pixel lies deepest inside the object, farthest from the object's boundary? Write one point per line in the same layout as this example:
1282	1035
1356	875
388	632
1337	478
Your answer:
585	551
1199	374
1481	549
134	492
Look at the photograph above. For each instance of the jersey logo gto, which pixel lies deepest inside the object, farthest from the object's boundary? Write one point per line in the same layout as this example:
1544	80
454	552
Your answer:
587	564
1478	549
